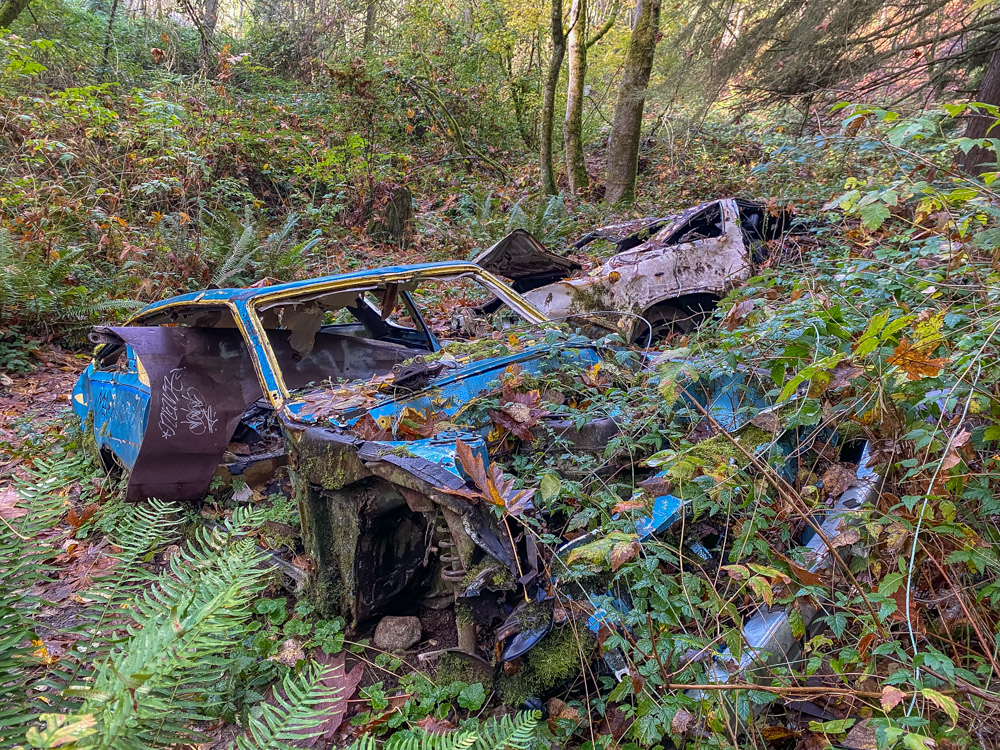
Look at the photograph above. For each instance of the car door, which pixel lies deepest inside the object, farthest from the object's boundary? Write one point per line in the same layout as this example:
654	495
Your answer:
117	392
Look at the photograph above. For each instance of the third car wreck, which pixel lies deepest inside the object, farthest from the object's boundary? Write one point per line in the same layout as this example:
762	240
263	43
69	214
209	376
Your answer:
665	275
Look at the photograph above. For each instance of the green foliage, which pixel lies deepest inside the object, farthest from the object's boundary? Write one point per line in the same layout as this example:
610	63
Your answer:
519	732
301	706
22	568
35	295
181	625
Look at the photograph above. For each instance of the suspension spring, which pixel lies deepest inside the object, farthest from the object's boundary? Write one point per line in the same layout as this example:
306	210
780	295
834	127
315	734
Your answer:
451	564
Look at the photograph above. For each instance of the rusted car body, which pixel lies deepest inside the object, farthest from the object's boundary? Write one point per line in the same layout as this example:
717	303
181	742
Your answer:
665	275
343	379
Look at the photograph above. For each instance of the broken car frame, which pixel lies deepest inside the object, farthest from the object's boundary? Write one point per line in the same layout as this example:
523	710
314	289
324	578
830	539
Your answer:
666	273
390	459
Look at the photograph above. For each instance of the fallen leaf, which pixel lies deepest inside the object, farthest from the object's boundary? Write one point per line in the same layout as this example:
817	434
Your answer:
626	506
290	654
9	508
838	479
416	425
767	421
773	734
861	737
737	313
433	725
76	520
843	373
915	360
623	553
891	697
558	709
682	722
656	486
471	463
336	708
952	458
367	428
845	538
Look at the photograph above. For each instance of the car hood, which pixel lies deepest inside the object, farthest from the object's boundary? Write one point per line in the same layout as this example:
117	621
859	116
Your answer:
458	385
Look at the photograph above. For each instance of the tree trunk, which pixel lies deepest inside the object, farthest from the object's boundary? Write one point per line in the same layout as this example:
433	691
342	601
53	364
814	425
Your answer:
576	42
369	24
549	99
109	33
209	18
978	159
10	10
623	149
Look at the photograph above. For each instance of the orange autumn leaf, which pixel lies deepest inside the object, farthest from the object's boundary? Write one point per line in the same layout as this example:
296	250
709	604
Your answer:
915	362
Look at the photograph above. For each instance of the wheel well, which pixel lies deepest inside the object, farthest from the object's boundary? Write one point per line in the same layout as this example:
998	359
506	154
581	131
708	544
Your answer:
701	302
677	314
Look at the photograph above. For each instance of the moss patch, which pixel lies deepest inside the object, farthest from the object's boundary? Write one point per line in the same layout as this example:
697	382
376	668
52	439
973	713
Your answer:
557	658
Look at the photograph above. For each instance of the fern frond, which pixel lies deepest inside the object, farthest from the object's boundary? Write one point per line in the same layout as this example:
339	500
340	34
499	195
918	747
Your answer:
242	251
302	706
519	732
149	691
21	569
516	219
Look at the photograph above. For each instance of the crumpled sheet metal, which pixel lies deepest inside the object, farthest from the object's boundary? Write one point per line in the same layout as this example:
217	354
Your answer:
200	382
768	635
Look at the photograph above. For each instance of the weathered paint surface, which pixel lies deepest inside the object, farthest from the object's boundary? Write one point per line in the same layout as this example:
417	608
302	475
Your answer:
174	411
657	270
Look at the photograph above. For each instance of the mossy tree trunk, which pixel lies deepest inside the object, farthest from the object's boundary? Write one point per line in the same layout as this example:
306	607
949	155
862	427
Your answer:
549	99
977	160
623	149
209	18
369	25
10	10
576	42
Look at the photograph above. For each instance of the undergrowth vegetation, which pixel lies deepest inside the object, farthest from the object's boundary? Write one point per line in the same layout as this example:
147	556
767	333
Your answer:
165	625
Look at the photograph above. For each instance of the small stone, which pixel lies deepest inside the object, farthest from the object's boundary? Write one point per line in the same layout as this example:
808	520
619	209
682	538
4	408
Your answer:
397	633
291	653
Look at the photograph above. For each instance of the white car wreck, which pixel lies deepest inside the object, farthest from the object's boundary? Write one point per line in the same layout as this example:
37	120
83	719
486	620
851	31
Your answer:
667	273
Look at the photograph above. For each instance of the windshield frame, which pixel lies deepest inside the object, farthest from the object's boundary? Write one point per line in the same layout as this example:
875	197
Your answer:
280	395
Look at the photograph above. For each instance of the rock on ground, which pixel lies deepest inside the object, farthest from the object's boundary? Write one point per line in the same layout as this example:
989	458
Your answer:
397	633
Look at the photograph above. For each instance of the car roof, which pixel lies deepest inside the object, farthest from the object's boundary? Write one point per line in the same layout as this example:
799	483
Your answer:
243	294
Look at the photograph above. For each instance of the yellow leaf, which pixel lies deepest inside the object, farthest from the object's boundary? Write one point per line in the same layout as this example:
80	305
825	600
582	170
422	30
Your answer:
944	702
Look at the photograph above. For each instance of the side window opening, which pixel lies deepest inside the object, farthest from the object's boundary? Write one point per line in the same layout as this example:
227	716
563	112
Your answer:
111	357
346	334
702	226
362	332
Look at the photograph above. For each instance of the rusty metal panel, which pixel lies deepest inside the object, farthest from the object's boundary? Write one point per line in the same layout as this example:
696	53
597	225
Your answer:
201	382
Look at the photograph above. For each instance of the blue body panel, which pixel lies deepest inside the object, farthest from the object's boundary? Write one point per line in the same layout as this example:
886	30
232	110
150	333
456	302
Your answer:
119	403
457	388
